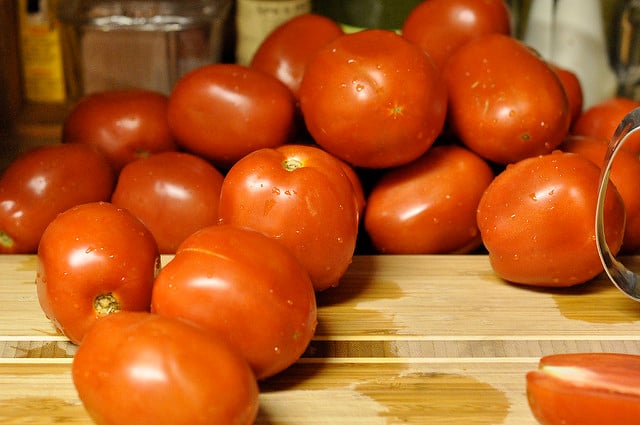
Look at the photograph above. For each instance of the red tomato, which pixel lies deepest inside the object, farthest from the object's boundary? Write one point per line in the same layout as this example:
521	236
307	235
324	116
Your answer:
246	287
602	119
585	389
625	175
285	52
537	220
43	182
573	89
373	99
441	26
147	369
356	184
124	124
172	193
505	102
429	206
224	111
93	260
300	196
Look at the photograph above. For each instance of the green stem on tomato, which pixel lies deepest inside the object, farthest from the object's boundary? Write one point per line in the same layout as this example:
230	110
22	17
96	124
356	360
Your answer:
6	240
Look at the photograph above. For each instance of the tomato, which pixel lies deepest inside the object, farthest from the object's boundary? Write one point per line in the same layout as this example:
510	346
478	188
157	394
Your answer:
143	368
373	99
41	183
285	52
537	220
585	389
429	206
124	124
573	89
442	26
625	175
602	119
300	196
246	287
505	102
172	193
93	260
356	184
224	111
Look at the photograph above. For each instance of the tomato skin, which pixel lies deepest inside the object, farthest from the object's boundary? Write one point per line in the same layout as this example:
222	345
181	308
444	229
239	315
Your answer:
429	206
172	193
124	124
537	218
496	105
310	208
373	99
441	26
602	119
285	52
42	183
91	252
156	370
603	391
222	112
246	287
625	175
573	89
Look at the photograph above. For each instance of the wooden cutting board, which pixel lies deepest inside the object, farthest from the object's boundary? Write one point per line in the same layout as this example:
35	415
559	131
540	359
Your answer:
402	340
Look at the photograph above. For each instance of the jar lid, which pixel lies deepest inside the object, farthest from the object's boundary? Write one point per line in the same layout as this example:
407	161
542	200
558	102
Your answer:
138	12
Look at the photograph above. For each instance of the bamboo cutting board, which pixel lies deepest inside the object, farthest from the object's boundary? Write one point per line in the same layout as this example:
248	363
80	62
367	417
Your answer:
402	340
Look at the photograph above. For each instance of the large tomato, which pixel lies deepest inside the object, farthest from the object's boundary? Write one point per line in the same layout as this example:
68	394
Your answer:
585	389
537	220
602	119
505	102
224	111
300	196
43	182
124	124
246	287
625	175
93	260
441	26
285	52
172	193
147	369
373	99
429	206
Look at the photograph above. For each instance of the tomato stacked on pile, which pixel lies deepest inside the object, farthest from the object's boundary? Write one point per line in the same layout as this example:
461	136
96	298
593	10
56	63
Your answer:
263	181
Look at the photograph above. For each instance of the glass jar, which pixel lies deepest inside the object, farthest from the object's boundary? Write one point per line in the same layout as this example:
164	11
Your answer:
147	44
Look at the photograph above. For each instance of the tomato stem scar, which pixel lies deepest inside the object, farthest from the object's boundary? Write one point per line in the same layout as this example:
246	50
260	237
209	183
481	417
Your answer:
5	239
105	304
291	164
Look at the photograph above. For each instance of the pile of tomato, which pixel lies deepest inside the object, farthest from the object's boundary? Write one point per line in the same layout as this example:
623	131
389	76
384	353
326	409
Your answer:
262	182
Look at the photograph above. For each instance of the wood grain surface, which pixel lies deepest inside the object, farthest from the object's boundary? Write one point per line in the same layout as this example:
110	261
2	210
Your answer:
402	340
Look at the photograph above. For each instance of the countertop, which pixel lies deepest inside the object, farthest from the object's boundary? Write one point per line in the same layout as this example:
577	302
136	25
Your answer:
402	340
